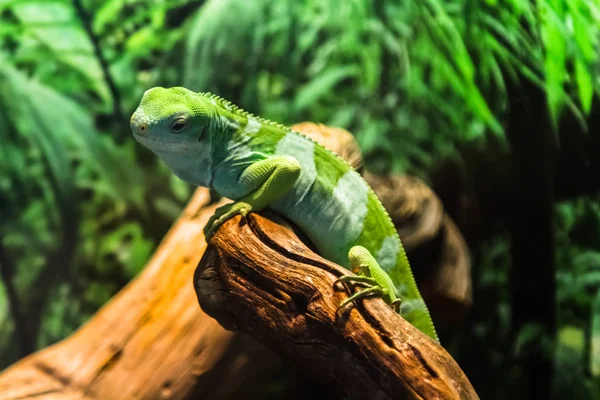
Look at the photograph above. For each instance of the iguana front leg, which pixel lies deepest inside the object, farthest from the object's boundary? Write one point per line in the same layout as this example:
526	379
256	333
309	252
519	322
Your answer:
265	181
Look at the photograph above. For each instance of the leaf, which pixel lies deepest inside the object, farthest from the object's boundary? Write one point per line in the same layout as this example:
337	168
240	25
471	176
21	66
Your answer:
221	31
585	85
595	338
589	259
588	279
572	337
324	83
553	38
53	122
446	36
108	13
530	333
35	123
126	246
55	26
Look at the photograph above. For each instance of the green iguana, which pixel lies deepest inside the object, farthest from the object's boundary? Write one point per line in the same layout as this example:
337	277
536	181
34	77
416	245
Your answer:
207	141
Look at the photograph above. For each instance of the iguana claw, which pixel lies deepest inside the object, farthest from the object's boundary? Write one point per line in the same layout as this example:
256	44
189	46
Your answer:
396	305
223	214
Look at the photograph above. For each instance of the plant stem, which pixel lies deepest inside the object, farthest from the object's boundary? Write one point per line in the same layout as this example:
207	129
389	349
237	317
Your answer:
86	19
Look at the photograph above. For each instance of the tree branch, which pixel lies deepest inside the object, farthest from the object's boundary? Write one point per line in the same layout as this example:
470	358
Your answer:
259	278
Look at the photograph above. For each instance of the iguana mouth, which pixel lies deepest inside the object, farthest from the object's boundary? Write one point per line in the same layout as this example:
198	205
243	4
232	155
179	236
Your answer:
160	146
143	139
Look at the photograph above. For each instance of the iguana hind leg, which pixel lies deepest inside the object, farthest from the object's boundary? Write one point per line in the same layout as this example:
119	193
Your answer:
371	274
357	279
371	291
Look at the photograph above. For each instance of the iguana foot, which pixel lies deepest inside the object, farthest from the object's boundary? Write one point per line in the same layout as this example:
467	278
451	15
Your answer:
366	280
224	213
371	291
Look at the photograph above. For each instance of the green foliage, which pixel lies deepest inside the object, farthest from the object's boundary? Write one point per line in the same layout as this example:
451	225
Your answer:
41	215
595	339
570	380
491	355
410	57
50	28
75	220
578	284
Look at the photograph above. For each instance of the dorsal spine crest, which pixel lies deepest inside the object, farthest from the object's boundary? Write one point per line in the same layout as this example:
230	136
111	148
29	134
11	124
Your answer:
234	108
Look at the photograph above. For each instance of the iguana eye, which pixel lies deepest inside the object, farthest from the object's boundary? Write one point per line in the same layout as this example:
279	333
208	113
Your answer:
178	125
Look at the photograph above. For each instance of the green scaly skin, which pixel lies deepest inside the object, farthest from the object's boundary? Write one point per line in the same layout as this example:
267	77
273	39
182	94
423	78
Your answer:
207	141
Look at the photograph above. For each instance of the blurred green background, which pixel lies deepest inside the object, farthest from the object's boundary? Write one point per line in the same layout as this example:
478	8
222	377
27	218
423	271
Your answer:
493	103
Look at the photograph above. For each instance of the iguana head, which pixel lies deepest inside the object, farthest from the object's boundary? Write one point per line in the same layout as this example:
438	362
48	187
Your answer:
176	124
173	115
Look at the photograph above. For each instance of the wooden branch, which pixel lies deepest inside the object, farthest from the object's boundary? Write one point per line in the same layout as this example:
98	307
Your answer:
448	291
151	340
258	277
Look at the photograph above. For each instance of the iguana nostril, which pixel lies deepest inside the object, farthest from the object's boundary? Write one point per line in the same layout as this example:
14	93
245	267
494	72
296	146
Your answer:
141	128
140	123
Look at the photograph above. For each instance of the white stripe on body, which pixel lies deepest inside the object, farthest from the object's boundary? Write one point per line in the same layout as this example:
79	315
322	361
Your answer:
229	123
387	255
333	224
303	150
252	127
225	175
